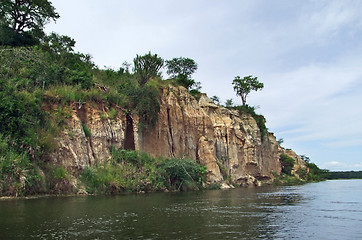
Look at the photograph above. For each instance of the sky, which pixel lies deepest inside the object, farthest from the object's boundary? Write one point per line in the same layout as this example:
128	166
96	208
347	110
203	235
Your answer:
308	54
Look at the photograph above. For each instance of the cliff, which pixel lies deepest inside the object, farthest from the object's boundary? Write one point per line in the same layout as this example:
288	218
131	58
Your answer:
230	145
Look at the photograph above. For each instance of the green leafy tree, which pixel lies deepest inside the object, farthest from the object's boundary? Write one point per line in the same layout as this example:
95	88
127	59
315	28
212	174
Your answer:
27	15
229	103
243	86
146	67
59	44
181	69
215	99
305	158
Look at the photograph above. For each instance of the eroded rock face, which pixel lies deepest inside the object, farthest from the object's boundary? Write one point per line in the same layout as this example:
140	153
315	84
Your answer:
215	136
231	146
76	150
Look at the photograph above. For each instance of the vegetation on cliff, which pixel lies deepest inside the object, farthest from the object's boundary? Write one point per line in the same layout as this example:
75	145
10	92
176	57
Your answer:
134	171
39	71
310	173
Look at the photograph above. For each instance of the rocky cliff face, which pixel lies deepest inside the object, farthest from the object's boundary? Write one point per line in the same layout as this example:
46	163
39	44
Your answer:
229	145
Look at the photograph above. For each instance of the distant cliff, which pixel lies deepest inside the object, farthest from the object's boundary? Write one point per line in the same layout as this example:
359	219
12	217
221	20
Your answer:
230	145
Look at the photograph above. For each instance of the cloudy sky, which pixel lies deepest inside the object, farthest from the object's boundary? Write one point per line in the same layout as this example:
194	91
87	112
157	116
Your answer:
308	54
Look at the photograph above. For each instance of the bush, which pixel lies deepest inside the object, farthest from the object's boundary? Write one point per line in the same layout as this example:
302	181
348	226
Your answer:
180	171
315	173
135	171
147	106
17	174
287	164
302	173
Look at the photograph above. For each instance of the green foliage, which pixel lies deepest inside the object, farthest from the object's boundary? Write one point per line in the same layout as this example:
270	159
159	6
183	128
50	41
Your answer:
305	158
86	130
17	175
9	37
215	99
146	67
287	164
20	116
260	119
58	44
180	171
59	172
135	171
288	180
147	105
302	173
224	172
181	66
316	174
181	69
344	175
229	103
112	113
196	94
27	15
243	86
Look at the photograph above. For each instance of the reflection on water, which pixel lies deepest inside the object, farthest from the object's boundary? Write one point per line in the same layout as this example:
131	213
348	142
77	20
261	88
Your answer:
327	210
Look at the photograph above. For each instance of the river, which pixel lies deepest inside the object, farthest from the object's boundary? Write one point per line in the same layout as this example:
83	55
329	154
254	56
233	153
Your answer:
325	210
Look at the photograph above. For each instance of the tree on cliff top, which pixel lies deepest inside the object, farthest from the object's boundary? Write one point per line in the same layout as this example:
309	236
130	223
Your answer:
243	86
146	67
21	15
181	69
22	19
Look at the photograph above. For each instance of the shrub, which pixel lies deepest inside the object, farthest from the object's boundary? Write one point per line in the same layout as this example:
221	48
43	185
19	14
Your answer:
135	171
179	171
287	164
147	105
17	174
302	173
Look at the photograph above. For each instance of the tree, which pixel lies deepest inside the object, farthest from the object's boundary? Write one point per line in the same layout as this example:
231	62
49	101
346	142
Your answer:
59	44
181	69
229	103
305	158
23	15
215	99
147	66
243	86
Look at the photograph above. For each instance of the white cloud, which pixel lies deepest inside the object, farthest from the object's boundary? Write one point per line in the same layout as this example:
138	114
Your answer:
341	166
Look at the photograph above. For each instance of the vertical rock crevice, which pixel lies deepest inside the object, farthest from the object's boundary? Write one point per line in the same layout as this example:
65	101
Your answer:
129	136
171	142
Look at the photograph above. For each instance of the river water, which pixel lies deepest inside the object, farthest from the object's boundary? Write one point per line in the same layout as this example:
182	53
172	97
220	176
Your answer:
325	210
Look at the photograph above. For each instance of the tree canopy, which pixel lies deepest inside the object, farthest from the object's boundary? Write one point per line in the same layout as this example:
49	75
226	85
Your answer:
243	86
181	69
22	19
21	15
147	66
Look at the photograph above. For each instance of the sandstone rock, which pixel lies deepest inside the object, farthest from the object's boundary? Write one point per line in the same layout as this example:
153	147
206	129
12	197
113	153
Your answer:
200	130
